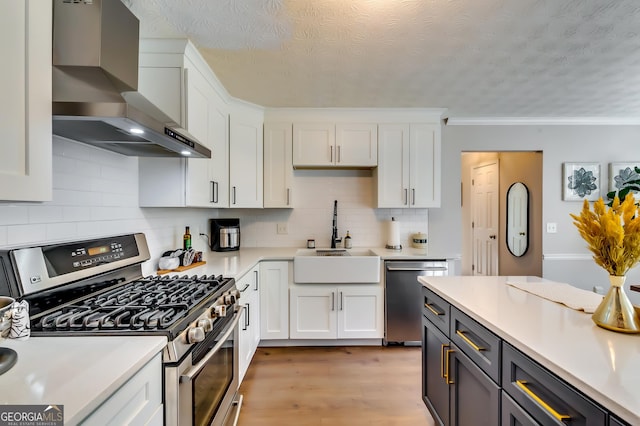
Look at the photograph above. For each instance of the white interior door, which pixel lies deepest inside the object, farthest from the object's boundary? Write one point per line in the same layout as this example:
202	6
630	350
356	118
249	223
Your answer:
485	217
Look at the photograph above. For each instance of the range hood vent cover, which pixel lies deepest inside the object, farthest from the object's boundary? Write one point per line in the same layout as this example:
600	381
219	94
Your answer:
95	83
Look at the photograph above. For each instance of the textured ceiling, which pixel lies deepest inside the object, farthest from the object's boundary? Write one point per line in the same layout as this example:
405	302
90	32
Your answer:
478	58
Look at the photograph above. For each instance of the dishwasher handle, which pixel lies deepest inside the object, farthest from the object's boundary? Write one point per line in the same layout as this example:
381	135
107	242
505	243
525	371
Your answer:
417	269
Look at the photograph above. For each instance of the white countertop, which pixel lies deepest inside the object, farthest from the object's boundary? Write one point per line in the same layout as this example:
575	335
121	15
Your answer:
237	263
77	372
600	363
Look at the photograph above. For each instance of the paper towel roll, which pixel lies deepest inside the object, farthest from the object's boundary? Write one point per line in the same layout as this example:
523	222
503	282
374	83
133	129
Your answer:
393	235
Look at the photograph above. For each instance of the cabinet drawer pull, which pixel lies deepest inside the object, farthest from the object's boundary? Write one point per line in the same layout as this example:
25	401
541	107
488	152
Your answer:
522	384
468	341
443	372
447	365
430	307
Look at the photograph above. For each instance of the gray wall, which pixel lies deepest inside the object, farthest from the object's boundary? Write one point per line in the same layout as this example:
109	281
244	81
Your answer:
565	257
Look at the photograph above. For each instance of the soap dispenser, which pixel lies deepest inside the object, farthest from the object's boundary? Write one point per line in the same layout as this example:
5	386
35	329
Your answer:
347	241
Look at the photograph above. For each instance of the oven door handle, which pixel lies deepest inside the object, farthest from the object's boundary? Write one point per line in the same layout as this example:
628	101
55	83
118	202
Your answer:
193	371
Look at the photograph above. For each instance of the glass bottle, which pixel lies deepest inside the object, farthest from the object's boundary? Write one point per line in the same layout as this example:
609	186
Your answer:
186	239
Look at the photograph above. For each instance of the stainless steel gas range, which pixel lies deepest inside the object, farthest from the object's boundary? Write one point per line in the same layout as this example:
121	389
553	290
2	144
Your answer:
96	287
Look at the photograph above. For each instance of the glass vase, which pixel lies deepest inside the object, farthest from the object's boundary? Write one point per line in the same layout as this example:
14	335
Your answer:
616	312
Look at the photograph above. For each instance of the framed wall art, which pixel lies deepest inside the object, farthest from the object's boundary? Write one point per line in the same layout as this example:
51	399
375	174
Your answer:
624	178
581	181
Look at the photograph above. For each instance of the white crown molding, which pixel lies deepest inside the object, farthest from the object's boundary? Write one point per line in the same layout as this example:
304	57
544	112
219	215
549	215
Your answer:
542	121
380	115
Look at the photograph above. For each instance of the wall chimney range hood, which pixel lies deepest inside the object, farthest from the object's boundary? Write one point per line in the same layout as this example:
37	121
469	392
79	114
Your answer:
95	83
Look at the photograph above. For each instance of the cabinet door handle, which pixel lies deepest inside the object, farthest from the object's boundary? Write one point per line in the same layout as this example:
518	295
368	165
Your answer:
288	196
447	366
331	154
233	191
339	156
214	191
413	196
493	237
443	372
341	301
406	199
430	307
245	288
468	341
332	301
522	384
246	317
256	281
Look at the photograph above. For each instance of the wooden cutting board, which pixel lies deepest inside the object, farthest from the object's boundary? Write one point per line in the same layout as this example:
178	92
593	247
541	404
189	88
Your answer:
180	268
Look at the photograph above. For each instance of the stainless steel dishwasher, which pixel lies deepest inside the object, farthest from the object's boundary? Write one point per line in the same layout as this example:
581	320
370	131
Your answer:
402	295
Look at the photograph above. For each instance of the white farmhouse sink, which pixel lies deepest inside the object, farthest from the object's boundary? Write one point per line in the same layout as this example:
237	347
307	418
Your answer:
336	266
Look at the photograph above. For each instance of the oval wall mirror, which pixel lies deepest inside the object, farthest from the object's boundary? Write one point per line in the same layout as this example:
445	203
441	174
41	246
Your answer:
518	219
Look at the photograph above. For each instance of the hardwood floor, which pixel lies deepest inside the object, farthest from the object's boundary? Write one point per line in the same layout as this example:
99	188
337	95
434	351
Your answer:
369	385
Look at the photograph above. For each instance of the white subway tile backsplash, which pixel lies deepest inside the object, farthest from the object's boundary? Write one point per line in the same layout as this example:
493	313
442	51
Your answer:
12	214
70	181
45	214
25	234
119	199
61	231
76	213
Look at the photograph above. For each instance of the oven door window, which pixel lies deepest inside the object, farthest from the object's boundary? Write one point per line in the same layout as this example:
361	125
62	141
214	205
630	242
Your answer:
211	384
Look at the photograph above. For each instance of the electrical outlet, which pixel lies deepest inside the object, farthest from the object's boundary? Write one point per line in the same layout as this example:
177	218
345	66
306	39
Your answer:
282	228
552	227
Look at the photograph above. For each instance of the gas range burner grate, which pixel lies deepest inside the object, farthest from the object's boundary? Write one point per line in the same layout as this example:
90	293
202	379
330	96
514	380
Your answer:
150	303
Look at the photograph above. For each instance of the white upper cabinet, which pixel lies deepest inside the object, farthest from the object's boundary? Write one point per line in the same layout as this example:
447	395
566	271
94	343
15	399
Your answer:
357	145
245	155
408	172
177	80
25	111
278	165
317	145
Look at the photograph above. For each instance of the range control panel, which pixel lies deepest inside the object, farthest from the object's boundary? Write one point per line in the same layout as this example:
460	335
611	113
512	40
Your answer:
65	258
48	266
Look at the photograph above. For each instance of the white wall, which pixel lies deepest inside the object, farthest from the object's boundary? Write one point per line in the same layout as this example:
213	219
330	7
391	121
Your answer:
565	256
95	193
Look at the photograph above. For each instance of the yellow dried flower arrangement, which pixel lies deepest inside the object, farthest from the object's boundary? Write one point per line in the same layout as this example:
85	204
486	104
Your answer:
613	234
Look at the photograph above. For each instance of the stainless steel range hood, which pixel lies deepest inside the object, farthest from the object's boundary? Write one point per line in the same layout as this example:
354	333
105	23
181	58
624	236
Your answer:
95	83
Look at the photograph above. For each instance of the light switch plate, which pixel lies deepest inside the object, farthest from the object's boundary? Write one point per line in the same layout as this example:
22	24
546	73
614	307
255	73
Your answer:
282	228
552	227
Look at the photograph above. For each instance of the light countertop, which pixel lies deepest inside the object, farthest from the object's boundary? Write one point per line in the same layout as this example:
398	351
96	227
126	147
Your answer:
600	363
234	264
77	372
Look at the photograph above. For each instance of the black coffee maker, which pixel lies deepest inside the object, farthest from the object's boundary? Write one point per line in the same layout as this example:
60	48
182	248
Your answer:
225	234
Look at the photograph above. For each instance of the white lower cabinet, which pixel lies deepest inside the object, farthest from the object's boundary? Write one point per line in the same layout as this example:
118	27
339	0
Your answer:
249	286
137	402
326	312
274	300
